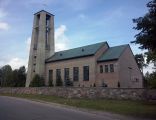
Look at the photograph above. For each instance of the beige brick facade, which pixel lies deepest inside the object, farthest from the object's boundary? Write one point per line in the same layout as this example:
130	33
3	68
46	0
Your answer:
130	75
80	63
121	77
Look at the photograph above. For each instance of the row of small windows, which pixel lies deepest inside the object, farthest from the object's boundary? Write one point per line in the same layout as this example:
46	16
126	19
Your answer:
67	75
107	68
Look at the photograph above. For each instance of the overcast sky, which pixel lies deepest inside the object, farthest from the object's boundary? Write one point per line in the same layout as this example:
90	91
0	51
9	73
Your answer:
77	23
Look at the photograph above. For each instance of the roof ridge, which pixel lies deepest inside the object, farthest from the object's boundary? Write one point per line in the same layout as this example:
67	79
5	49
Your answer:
81	47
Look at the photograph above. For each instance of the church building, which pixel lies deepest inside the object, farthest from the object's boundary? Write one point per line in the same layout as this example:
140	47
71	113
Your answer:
95	65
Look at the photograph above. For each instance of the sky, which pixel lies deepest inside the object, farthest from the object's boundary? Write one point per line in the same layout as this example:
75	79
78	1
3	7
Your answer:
77	23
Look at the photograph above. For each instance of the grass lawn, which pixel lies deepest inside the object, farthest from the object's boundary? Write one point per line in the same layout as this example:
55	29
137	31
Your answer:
144	109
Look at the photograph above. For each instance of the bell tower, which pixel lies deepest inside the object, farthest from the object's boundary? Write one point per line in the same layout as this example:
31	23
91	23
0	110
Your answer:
42	44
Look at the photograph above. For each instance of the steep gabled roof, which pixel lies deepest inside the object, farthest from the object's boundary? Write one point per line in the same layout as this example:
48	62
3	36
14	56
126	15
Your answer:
84	51
113	53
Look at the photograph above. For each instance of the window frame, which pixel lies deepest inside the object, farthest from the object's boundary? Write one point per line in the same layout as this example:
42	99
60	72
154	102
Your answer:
58	73
106	69
101	68
50	76
75	73
85	73
111	68
66	73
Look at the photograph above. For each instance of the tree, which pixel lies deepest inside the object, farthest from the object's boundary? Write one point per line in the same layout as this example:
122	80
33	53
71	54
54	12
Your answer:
6	76
59	81
21	76
15	77
0	77
140	61
151	79
146	38
146	79
37	81
12	78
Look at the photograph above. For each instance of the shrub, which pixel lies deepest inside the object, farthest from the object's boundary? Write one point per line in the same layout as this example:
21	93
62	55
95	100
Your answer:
104	84
118	84
59	81
68	82
50	83
152	80
37	81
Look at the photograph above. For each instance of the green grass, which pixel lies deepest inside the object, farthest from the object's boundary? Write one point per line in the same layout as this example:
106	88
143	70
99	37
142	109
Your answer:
144	109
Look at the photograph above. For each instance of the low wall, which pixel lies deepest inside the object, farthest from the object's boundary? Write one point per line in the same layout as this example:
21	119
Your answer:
77	92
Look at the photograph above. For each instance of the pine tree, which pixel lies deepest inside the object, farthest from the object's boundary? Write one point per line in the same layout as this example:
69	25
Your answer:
37	81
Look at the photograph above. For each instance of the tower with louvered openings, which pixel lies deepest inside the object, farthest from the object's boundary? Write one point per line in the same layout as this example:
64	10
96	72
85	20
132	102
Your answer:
42	44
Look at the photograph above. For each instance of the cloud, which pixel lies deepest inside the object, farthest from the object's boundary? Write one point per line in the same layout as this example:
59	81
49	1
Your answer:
16	62
60	46
2	14
4	26
61	40
28	42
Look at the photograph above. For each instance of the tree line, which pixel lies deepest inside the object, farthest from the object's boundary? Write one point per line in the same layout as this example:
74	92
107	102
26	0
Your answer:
146	38
17	78
12	78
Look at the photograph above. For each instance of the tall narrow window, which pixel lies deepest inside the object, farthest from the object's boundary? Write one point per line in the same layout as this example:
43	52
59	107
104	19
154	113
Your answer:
47	31
86	73
101	69
58	73
106	68
75	73
37	20
66	74
111	68
36	32
50	76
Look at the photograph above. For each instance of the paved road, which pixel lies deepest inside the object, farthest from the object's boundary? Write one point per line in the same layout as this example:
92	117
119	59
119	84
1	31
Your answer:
22	109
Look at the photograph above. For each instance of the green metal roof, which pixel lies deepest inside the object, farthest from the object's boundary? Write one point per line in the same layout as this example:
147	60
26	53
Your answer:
76	52
113	53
